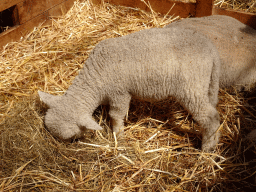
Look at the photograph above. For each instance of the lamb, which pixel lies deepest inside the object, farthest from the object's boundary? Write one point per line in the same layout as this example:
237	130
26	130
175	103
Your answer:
236	43
150	65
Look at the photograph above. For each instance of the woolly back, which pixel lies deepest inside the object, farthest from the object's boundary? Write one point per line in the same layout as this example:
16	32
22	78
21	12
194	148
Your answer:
155	59
236	43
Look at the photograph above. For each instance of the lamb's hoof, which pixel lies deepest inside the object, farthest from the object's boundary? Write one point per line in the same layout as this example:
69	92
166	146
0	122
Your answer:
119	134
209	144
208	147
252	136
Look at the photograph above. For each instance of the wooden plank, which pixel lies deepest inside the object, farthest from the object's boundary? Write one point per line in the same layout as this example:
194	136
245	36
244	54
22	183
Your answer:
61	8
246	18
5	4
161	6
15	33
203	8
31	8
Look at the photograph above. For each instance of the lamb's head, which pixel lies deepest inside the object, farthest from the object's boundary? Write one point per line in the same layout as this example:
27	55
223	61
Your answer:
63	120
58	119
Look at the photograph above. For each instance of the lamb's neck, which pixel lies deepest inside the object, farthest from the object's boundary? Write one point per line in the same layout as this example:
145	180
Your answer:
86	99
88	88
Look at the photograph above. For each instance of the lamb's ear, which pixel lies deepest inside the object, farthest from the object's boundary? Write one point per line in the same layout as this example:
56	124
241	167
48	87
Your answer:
48	99
86	122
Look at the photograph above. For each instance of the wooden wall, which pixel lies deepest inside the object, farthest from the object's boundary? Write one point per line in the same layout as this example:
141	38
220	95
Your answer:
199	9
31	13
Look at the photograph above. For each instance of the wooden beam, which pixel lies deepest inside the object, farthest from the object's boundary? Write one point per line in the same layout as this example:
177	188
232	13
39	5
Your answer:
246	18
61	9
203	8
161	6
31	8
5	4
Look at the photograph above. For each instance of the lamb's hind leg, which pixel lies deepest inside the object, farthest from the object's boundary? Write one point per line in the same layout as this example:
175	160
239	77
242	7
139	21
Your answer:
208	118
211	125
119	106
211	120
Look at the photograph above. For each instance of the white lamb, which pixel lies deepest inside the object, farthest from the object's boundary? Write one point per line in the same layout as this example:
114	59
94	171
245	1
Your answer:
149	65
236	43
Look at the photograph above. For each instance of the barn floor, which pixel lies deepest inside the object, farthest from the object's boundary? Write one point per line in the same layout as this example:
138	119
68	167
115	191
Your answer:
161	147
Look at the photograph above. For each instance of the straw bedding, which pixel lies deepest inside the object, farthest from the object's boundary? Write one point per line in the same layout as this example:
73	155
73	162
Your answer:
238	5
160	149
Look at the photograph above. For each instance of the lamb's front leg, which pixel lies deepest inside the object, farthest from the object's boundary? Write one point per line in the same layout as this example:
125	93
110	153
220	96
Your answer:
119	105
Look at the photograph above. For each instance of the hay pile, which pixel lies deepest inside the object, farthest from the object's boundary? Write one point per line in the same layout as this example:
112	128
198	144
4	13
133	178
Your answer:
237	5
160	149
